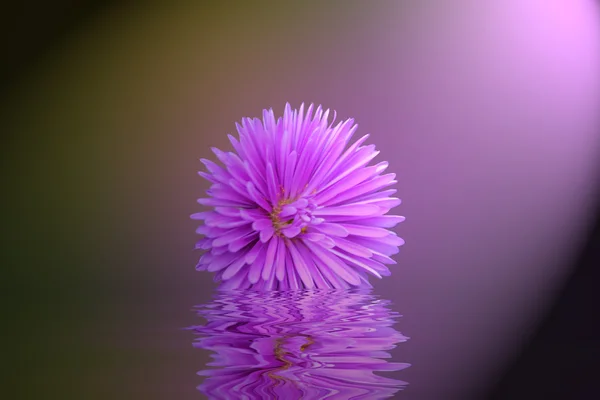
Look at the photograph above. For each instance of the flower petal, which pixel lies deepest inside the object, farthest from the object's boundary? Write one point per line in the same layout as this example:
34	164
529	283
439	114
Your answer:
270	257
280	261
364	210
332	229
335	264
352	247
266	234
257	266
366	231
300	266
234	268
291	231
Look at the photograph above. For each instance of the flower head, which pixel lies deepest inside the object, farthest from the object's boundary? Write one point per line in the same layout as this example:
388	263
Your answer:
295	207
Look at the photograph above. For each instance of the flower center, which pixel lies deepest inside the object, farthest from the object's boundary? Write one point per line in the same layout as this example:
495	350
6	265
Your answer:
292	217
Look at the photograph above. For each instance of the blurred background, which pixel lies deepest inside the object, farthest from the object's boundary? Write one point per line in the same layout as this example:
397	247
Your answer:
488	112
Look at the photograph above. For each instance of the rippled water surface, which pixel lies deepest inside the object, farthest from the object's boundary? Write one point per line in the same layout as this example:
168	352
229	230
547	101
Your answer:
304	344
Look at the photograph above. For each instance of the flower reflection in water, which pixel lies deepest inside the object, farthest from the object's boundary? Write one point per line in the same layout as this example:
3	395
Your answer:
304	344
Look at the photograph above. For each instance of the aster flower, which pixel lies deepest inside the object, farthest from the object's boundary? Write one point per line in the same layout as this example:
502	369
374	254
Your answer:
292	207
308	344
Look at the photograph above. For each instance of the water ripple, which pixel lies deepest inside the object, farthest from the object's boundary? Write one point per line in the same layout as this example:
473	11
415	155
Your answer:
310	344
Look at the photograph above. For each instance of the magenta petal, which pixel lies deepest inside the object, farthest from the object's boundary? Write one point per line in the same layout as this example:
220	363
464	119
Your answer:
301	267
383	259
233	224
266	234
300	203
289	171
291	273
253	253
280	261
272	184
238	282
355	261
216	202
257	197
208	177
211	232
364	188
228	211
314	237
204	244
393	239
291	231
234	268
335	281
315	273
383	221
232	235
383	202
364	210
221	261
382	245
352	180
215	219
287	211
366	231
352	247
332	229
242	242
201	215
336	265
257	266
270	257
251	214
261	224
218	250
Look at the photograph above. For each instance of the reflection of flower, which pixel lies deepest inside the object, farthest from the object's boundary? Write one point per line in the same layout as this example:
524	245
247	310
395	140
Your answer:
305	344
293	210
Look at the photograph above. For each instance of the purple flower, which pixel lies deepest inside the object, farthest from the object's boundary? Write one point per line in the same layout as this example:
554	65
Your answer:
304	344
294	208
